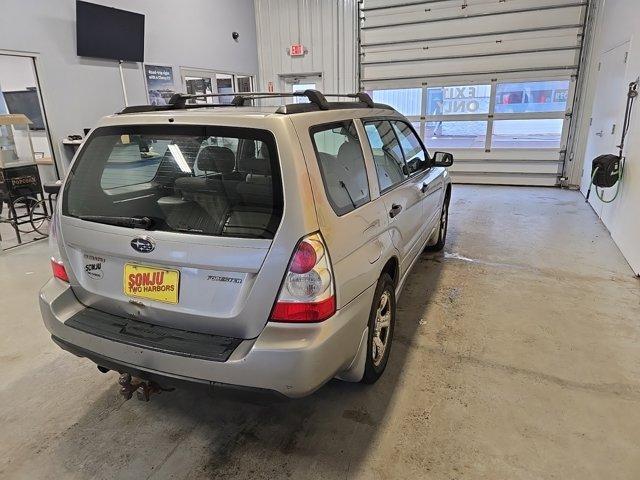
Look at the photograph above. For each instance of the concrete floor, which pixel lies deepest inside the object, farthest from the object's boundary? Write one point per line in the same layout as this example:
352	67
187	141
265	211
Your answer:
516	356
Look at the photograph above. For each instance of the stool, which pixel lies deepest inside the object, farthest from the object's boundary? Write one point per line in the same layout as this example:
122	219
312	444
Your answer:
52	189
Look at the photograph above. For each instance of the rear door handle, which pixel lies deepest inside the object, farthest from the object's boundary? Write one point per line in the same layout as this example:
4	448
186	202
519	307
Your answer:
395	210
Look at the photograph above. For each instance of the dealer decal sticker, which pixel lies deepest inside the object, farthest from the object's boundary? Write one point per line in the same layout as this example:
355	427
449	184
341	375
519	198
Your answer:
151	283
93	266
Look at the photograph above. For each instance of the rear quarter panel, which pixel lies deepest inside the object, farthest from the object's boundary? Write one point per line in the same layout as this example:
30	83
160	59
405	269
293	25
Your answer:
359	243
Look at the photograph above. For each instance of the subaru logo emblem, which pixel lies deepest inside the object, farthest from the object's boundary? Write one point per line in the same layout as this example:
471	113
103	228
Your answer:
143	244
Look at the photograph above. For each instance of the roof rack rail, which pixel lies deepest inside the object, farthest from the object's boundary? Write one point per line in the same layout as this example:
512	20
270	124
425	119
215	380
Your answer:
317	100
178	101
314	96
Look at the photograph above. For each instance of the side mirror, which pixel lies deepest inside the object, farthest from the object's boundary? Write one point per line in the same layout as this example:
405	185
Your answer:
442	159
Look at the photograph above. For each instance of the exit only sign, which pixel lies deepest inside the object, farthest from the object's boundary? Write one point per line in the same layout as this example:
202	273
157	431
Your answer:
296	50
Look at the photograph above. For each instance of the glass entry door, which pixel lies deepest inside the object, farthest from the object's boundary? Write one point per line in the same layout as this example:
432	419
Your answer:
300	83
198	82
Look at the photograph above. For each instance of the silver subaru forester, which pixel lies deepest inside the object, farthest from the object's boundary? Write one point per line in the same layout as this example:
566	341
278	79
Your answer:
261	247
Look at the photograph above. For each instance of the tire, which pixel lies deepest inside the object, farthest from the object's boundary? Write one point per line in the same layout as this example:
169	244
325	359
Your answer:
442	232
40	217
384	303
22	206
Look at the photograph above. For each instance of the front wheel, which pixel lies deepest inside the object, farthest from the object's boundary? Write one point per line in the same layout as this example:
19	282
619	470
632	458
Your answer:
442	232
381	322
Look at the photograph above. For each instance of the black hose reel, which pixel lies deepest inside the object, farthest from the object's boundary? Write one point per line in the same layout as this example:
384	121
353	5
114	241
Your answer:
606	170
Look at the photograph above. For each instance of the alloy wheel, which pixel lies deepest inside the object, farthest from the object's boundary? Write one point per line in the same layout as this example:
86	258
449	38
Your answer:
381	329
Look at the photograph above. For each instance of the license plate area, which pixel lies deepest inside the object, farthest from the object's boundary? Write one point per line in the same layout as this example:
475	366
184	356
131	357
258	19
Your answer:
151	283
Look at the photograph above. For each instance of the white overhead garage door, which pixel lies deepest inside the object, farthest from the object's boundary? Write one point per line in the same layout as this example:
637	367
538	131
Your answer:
491	81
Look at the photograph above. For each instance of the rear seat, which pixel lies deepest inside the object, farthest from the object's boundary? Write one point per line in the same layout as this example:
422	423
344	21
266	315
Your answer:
238	203
254	212
208	191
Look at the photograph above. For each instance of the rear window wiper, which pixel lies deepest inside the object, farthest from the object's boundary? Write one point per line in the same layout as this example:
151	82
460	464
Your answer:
130	222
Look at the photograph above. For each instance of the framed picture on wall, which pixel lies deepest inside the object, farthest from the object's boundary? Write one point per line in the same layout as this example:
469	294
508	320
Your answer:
159	82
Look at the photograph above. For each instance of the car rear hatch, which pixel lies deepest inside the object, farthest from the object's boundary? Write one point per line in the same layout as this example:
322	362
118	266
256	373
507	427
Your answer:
172	224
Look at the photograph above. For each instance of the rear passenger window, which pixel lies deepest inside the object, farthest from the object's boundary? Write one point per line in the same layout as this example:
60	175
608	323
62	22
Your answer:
387	154
413	152
209	180
342	165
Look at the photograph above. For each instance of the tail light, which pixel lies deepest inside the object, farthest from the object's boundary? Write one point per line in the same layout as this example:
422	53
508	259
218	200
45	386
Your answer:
58	270
307	293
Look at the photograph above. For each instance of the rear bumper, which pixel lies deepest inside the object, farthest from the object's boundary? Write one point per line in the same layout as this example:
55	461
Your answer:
291	359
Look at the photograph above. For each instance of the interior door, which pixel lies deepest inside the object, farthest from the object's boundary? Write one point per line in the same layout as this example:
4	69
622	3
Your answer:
619	216
196	82
607	117
300	83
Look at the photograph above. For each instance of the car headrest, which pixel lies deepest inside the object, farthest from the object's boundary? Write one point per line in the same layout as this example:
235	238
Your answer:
258	166
348	152
216	159
263	151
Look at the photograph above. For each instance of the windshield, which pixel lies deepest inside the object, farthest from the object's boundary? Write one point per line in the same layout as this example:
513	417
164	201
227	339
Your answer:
222	181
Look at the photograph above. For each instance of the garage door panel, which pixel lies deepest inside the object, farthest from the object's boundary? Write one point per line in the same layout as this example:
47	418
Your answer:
524	166
488	178
497	79
467	26
461	48
453	78
560	59
452	10
501	155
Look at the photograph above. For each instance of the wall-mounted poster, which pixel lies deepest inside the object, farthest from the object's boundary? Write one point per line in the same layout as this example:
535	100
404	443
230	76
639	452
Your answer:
160	87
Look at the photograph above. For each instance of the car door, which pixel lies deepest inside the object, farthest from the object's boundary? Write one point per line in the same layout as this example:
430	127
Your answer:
353	224
430	179
401	193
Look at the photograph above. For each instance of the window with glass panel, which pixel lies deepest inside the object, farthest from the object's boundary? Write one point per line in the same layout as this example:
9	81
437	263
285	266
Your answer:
500	115
408	101
458	134
342	165
458	100
530	133
524	97
387	154
414	155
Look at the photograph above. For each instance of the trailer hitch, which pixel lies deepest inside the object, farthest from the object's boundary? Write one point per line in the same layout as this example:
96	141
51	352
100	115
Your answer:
142	388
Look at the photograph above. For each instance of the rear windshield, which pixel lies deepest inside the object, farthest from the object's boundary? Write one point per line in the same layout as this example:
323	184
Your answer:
222	181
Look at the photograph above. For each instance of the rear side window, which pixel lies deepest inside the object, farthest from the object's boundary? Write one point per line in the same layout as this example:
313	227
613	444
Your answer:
342	165
222	181
387	154
414	155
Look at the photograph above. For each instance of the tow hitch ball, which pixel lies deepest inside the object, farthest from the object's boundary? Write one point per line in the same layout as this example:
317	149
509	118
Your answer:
142	388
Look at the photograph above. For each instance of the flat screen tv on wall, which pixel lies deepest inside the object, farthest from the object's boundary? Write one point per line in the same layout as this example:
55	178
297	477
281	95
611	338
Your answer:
27	103
106	32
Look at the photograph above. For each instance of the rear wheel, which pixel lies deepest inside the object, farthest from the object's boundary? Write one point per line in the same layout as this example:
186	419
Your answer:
442	232
381	322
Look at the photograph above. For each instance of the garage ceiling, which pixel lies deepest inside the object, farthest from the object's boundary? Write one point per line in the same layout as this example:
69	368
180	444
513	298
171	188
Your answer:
491	81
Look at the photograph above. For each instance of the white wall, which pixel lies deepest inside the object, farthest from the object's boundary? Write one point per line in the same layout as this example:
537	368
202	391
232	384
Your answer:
618	22
78	91
17	73
327	28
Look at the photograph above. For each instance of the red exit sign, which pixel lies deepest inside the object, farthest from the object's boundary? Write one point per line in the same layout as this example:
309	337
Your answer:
296	50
